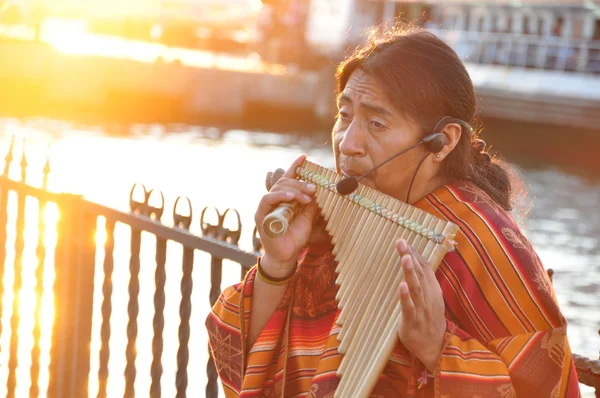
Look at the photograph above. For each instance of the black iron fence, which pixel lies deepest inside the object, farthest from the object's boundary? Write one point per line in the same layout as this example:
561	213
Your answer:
74	265
74	268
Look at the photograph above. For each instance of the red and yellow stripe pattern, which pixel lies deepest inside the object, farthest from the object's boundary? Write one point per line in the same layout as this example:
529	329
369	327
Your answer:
505	337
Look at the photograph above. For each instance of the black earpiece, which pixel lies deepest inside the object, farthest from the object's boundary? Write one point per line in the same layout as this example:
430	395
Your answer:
435	142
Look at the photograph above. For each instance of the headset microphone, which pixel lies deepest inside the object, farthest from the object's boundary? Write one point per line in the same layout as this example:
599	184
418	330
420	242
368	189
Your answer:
433	143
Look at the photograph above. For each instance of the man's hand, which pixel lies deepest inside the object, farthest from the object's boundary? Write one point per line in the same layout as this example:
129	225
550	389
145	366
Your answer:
422	322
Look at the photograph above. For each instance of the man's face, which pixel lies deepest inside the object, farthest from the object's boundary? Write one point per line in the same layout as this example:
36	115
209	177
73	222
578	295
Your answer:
368	130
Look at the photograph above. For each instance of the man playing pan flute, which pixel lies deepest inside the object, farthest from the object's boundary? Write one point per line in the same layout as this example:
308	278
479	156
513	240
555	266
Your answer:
485	324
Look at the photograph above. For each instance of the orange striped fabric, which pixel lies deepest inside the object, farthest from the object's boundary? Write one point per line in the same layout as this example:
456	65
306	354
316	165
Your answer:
505	333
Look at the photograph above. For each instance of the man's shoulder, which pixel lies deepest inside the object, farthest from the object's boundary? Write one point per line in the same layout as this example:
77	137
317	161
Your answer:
467	200
478	217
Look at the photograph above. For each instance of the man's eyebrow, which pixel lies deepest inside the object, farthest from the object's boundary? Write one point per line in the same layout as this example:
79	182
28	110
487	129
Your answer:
376	109
370	107
345	98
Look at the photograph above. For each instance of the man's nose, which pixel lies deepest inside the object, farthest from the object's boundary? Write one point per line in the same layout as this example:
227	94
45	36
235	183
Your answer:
353	141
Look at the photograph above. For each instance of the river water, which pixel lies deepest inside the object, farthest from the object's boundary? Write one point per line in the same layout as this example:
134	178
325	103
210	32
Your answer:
226	169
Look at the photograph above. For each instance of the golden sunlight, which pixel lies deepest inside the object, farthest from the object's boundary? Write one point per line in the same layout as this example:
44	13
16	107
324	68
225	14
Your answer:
26	300
51	217
255	5
101	235
64	25
19	32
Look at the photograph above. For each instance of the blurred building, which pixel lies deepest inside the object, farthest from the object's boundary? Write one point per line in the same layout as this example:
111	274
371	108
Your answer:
535	61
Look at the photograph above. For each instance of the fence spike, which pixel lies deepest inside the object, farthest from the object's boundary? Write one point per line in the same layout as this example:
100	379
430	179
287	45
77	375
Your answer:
23	163
211	230
256	242
135	206
232	236
157	211
9	157
46	169
179	220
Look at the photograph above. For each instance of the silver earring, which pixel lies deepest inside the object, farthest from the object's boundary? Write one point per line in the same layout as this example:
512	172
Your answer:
437	156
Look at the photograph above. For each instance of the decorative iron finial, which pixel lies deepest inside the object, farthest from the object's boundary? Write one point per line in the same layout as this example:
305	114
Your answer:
211	230
272	178
256	242
23	163
46	169
9	157
231	236
153	210
179	220
135	206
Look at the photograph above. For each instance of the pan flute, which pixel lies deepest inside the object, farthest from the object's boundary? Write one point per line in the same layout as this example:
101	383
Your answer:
364	226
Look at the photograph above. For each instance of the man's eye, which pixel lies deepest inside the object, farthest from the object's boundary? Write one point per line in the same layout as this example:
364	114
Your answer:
377	125
344	115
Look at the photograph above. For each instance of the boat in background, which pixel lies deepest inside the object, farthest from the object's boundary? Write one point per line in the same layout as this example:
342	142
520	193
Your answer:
533	61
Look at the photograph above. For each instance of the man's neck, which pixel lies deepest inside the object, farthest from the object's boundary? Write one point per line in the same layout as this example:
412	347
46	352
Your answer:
420	190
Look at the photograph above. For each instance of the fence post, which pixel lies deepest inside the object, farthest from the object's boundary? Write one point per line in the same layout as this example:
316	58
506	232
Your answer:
216	267
3	221
73	300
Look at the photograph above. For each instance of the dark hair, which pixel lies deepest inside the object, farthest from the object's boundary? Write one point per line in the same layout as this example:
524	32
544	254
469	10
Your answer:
426	79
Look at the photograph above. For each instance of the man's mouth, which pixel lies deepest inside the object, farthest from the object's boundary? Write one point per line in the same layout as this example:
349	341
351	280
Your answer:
347	172
350	173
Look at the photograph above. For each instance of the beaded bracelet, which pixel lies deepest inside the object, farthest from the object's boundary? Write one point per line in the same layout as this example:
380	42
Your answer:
272	280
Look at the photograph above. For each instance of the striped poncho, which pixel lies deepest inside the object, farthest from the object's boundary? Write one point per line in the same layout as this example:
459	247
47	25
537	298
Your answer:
505	334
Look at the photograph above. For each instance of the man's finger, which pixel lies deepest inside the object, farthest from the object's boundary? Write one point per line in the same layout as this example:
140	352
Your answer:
291	172
430	275
310	211
412	280
420	269
417	256
406	304
269	202
420	265
284	183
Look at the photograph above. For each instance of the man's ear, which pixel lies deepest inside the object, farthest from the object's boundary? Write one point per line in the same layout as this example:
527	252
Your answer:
453	132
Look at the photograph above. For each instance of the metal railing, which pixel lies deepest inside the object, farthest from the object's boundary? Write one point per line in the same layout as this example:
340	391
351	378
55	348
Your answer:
524	50
69	368
74	268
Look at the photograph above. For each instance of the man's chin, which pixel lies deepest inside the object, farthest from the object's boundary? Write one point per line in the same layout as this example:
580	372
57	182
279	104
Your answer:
369	182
